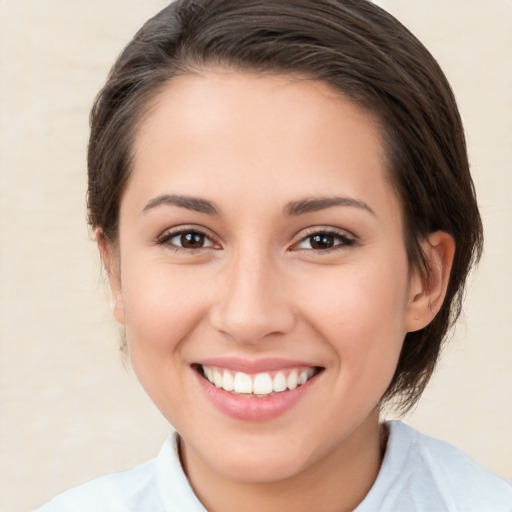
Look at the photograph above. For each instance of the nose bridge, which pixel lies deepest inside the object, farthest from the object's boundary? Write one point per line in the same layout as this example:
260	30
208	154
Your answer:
252	302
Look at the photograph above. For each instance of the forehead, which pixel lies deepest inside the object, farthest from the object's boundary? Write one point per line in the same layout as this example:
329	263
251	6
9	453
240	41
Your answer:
226	132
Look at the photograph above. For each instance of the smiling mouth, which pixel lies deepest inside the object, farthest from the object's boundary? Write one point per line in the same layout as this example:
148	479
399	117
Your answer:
259	385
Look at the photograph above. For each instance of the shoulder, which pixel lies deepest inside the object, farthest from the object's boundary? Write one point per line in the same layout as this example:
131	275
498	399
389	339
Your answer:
422	473
122	491
159	484
456	475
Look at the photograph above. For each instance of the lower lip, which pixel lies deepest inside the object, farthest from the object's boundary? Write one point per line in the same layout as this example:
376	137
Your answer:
252	408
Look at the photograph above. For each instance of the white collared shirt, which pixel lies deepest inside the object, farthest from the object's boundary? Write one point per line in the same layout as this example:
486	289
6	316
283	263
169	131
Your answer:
418	474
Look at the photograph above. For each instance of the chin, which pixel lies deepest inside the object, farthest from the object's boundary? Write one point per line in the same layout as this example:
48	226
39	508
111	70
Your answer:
255	459
261	470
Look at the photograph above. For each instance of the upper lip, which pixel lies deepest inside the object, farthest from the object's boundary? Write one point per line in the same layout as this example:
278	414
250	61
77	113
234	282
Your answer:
254	365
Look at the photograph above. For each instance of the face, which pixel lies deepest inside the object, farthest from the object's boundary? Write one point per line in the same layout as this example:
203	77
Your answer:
262	274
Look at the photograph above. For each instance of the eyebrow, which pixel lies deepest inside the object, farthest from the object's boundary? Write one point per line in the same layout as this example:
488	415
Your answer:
190	203
300	207
315	204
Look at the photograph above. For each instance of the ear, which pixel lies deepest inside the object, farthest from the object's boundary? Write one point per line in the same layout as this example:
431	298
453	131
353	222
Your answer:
427	294
110	260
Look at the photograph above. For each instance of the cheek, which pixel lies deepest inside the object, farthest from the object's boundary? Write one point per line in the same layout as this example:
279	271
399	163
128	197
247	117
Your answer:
360	311
161	306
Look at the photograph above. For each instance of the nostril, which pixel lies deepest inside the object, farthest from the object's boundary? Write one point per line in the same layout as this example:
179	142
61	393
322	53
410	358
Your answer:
253	328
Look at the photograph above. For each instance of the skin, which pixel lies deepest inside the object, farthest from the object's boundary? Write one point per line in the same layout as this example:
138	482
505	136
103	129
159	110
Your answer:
252	145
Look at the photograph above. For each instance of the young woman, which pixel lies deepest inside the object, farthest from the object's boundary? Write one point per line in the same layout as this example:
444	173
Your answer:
281	198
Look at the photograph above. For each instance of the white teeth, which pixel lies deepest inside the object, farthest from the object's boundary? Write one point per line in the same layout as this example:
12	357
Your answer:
217	378
279	383
261	384
228	382
243	383
303	377
293	380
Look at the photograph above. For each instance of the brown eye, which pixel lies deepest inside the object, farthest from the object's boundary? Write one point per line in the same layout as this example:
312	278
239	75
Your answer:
192	240
188	240
324	241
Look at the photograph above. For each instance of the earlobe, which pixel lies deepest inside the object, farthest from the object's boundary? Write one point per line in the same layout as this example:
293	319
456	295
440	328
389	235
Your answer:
110	261
427	292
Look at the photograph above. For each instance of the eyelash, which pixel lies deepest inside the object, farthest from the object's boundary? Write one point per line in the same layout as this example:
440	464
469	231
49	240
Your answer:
344	240
166	238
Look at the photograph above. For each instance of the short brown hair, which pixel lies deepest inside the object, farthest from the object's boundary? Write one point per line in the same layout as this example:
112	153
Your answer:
361	51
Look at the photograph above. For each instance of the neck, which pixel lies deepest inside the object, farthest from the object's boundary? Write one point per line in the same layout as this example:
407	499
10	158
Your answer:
336	483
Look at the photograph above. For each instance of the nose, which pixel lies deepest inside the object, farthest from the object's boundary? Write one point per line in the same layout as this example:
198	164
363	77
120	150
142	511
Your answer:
252	302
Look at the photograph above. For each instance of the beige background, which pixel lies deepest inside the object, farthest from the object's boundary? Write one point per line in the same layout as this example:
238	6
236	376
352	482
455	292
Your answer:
70	410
